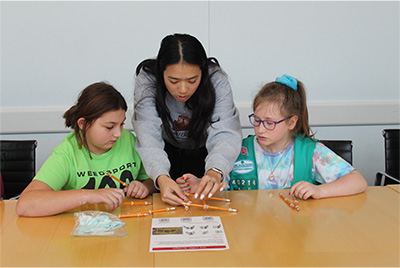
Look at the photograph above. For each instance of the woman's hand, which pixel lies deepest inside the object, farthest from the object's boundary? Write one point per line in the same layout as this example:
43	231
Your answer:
188	183
137	189
209	184
171	193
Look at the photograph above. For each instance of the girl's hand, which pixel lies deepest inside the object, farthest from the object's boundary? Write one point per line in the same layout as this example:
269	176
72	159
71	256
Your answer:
352	183
137	189
113	197
209	184
188	183
170	191
305	190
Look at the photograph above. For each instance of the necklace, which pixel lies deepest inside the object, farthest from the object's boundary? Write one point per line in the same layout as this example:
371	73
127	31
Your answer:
184	109
271	175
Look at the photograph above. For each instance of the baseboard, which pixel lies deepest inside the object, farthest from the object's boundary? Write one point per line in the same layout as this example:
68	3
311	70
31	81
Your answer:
49	119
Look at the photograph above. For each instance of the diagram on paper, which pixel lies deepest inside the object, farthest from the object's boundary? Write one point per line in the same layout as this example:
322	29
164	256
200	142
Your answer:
187	233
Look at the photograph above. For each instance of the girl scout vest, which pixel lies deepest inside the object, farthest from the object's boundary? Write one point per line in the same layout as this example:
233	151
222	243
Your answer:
244	173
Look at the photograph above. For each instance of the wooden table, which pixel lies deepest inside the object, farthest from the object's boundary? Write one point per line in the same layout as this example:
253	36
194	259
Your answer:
46	241
359	230
395	187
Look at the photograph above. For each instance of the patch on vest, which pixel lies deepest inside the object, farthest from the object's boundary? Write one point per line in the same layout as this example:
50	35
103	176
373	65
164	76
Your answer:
243	166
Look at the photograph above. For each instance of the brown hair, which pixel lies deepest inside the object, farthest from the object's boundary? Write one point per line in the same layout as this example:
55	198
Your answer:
95	100
292	102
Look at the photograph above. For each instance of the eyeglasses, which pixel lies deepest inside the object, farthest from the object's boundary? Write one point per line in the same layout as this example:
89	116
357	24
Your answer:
268	124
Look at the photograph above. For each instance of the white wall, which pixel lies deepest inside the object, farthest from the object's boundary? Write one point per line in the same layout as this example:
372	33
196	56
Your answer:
368	144
346	53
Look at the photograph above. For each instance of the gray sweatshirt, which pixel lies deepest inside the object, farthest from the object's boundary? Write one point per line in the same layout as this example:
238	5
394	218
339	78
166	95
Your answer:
223	138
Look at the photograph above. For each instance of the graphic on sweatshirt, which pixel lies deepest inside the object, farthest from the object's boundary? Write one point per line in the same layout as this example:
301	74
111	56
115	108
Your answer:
181	124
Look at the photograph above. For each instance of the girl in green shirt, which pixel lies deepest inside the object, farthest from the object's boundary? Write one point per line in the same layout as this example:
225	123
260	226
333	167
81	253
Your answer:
81	168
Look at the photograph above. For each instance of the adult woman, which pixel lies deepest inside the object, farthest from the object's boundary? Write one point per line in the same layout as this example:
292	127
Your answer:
185	119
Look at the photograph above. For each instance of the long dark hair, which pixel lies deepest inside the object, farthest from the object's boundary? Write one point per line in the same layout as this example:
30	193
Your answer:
95	100
185	48
292	102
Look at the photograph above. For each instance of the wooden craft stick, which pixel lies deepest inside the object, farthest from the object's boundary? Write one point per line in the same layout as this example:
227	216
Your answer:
115	178
137	203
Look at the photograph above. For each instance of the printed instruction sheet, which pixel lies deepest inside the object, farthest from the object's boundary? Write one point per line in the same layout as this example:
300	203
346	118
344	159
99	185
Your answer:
187	233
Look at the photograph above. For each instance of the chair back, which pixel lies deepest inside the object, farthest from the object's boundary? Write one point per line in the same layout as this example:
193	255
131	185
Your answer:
391	137
18	165
1	187
343	148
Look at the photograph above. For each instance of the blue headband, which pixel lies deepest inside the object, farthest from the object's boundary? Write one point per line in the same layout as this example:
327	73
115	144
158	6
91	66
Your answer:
288	81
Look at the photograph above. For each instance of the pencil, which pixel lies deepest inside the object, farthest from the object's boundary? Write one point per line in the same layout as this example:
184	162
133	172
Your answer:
161	210
219	199
211	207
145	213
287	201
115	178
205	206
212	198
133	215
226	209
137	203
296	203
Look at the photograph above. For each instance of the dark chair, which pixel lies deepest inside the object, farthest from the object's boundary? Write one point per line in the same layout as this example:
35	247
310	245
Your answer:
392	169
343	148
18	165
1	188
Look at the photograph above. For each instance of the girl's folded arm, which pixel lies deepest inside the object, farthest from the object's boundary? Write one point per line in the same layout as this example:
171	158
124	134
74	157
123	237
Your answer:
352	183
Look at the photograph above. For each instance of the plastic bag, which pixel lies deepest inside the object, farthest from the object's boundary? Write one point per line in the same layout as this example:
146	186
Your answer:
98	223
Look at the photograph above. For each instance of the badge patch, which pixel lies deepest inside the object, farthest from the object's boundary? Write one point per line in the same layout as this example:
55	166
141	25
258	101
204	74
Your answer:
244	151
243	166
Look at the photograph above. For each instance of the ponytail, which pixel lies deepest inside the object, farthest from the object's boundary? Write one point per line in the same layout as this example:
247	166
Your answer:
303	125
70	117
290	94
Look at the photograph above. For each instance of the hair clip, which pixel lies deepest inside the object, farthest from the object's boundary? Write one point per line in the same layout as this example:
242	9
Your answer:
288	81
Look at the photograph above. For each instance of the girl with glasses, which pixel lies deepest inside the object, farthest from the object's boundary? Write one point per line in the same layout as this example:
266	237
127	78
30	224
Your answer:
283	152
186	123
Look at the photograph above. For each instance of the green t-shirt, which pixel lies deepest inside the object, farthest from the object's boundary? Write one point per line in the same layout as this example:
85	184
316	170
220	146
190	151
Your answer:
70	168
